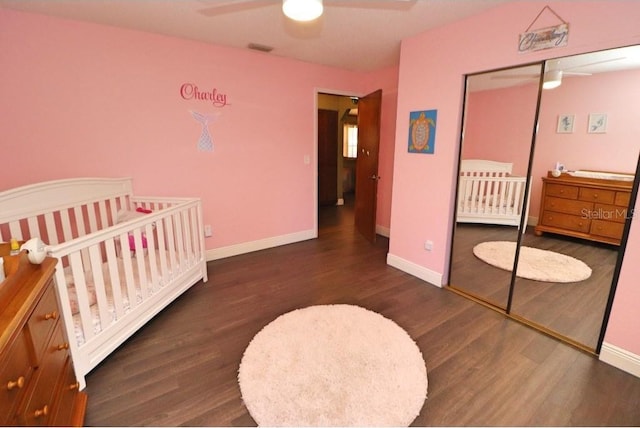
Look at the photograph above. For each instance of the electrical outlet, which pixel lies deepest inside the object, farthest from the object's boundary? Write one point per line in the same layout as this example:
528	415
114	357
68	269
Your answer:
207	231
428	245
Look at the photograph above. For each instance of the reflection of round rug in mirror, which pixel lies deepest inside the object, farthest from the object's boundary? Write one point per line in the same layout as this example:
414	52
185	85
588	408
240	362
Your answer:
333	365
533	263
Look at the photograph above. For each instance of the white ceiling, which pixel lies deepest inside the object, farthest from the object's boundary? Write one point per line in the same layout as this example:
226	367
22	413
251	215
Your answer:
351	34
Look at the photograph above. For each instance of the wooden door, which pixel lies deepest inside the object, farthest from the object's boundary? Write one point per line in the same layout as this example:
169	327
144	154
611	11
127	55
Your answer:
327	157
367	164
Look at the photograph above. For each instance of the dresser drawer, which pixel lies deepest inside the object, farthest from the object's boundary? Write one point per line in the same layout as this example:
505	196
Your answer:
607	228
42	321
39	406
566	221
562	191
568	206
609	213
66	409
622	199
15	373
597	195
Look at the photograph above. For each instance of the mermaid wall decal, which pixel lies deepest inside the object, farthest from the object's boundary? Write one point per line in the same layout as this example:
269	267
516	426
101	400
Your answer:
205	142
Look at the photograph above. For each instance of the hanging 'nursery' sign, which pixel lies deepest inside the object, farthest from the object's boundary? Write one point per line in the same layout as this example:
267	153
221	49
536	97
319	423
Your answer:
544	38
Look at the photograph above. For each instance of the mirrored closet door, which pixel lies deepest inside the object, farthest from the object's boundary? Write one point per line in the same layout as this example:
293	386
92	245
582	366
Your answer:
498	126
588	133
581	168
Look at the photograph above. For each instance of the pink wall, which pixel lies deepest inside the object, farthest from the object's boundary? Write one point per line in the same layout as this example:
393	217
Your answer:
499	125
432	67
88	100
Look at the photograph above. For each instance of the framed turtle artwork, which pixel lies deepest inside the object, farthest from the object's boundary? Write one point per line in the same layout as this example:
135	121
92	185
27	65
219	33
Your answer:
422	131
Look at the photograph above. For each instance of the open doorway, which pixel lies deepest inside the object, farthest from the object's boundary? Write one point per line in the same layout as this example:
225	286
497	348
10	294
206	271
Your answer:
337	149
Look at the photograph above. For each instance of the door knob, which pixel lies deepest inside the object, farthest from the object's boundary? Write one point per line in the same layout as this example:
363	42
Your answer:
375	177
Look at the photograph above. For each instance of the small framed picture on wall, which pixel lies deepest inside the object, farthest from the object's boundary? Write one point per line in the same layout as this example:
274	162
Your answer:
565	123
597	123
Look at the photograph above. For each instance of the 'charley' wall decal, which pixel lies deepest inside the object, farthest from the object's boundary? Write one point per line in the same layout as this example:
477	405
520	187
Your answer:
190	91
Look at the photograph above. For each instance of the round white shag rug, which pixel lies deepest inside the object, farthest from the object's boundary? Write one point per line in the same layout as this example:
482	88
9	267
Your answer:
333	365
533	263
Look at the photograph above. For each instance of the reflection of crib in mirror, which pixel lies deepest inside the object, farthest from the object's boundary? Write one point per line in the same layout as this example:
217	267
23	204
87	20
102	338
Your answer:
489	194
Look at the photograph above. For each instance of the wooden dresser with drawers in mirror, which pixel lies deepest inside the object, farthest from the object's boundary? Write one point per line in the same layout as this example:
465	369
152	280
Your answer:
584	207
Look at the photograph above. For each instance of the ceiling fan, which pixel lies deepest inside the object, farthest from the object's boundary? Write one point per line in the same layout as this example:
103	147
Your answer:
217	7
556	70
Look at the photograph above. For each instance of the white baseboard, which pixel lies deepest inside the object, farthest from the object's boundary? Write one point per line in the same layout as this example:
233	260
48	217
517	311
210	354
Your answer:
382	231
421	272
620	358
262	244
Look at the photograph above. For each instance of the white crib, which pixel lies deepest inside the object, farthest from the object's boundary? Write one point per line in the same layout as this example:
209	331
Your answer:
489	194
121	258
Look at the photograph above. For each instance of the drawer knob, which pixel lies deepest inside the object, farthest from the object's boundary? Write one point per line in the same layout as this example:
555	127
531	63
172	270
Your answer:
74	386
63	347
15	383
595	196
51	315
41	412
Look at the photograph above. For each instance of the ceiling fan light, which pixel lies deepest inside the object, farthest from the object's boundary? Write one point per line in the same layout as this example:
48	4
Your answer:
302	10
552	79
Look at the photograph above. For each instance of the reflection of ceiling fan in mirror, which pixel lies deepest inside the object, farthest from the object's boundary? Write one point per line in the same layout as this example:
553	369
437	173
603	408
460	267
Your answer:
556	69
299	10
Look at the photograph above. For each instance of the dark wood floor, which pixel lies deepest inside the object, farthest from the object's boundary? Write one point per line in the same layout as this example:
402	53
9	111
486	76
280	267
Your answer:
484	369
575	310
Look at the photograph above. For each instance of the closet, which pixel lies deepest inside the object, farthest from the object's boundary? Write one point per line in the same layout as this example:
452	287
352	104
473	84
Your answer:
558	139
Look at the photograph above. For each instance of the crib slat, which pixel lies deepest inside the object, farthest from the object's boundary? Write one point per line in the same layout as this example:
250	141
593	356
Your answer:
151	253
34	228
66	225
113	209
81	231
86	320
172	246
509	209
99	285
102	214
16	230
194	234
80	226
505	202
162	251
93	221
517	206
114	276
179	240
128	270
188	237
52	232
140	260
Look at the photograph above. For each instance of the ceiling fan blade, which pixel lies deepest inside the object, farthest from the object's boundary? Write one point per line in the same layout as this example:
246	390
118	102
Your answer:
576	73
231	6
217	8
515	76
372	4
